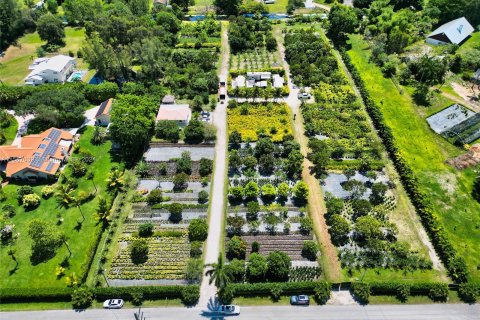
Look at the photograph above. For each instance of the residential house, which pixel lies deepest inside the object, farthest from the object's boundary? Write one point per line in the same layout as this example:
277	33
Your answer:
53	70
455	31
38	156
103	114
259	76
180	113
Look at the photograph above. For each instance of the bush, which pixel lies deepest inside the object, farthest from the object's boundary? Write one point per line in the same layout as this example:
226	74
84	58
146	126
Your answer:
361	291
403	291
31	201
198	230
203	196
255	246
322	292
100	92
155	196
47	191
310	250
235	270
276	292
82	298
139	251
175	210
253	207
279	264
306	225
469	292
137	297
256	268
190	295
168	130
196	249
438	292
145	230
236	248
23	191
205	167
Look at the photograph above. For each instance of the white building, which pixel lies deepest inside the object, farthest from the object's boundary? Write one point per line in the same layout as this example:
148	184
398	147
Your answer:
54	70
454	31
278	81
180	113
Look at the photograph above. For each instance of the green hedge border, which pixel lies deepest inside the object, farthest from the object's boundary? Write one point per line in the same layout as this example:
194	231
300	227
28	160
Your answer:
455	264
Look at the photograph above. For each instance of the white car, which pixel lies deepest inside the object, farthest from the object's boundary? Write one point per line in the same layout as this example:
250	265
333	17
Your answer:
228	310
113	304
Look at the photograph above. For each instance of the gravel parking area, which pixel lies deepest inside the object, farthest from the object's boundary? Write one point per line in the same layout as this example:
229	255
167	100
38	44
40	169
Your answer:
167	153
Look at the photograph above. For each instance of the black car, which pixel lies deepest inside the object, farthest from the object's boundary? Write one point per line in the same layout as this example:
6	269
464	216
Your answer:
301	300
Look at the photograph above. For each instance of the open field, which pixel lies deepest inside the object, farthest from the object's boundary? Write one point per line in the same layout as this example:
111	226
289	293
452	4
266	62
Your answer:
448	190
280	6
471	43
14	66
81	240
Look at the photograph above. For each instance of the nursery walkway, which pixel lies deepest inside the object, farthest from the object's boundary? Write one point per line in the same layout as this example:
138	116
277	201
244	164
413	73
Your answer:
215	222
316	204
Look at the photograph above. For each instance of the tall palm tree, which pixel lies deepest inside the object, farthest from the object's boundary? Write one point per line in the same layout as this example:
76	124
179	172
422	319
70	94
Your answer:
90	176
11	252
217	275
115	180
64	196
103	211
78	204
64	239
98	135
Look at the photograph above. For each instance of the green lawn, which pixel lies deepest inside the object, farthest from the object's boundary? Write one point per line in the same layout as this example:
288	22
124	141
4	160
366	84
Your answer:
280	6
448	190
14	66
472	42
80	240
10	132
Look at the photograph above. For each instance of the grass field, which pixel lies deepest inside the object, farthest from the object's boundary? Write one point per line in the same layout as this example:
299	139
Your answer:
448	190
14	66
471	43
280	6
80	240
10	132
201	7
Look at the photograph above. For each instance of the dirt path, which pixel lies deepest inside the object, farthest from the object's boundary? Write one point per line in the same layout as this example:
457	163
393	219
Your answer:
466	96
316	204
217	208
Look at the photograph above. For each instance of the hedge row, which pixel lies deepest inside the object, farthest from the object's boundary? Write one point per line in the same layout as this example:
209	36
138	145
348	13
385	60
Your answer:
264	288
9	95
455	265
236	72
189	294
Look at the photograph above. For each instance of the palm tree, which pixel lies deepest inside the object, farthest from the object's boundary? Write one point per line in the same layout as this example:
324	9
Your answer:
64	196
64	239
115	180
11	252
78	205
90	177
217	275
98	135
103	211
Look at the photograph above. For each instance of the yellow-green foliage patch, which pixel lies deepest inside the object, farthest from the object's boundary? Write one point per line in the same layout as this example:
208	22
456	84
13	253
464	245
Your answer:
250	119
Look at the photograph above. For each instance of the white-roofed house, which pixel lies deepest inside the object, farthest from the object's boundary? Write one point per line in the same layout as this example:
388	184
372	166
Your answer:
180	113
54	70
455	31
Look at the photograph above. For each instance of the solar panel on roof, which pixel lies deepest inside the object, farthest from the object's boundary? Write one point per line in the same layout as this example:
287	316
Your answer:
42	146
37	162
50	166
54	134
51	149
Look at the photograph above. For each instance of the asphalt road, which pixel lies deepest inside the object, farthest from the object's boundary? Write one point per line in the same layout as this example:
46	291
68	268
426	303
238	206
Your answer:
371	312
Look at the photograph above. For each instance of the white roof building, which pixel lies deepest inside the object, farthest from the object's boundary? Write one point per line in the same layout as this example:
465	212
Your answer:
454	31
278	81
53	70
180	113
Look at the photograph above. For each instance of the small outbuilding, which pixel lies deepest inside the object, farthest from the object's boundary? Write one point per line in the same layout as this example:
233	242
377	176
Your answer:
168	99
102	117
455	31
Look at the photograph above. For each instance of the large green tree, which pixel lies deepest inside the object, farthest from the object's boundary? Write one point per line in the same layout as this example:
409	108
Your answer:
9	16
51	29
80	11
228	7
45	240
343	21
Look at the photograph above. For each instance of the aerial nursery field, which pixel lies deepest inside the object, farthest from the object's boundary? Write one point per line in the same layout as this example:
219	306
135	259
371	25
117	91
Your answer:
251	118
448	190
81	235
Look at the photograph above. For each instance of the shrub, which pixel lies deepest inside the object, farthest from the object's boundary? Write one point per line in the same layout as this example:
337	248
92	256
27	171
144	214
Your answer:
306	225
145	230
190	295
403	291
203	196
194	270
322	292
279	264
175	210
255	246
469	292
31	201
438	292
276	292
196	249
8	210
139	251
23	191
253	207
47	191
310	250
198	230
155	196
82	298
361	291
205	167
300	191
79	169
235	270
256	268
137	297
236	248
168	130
